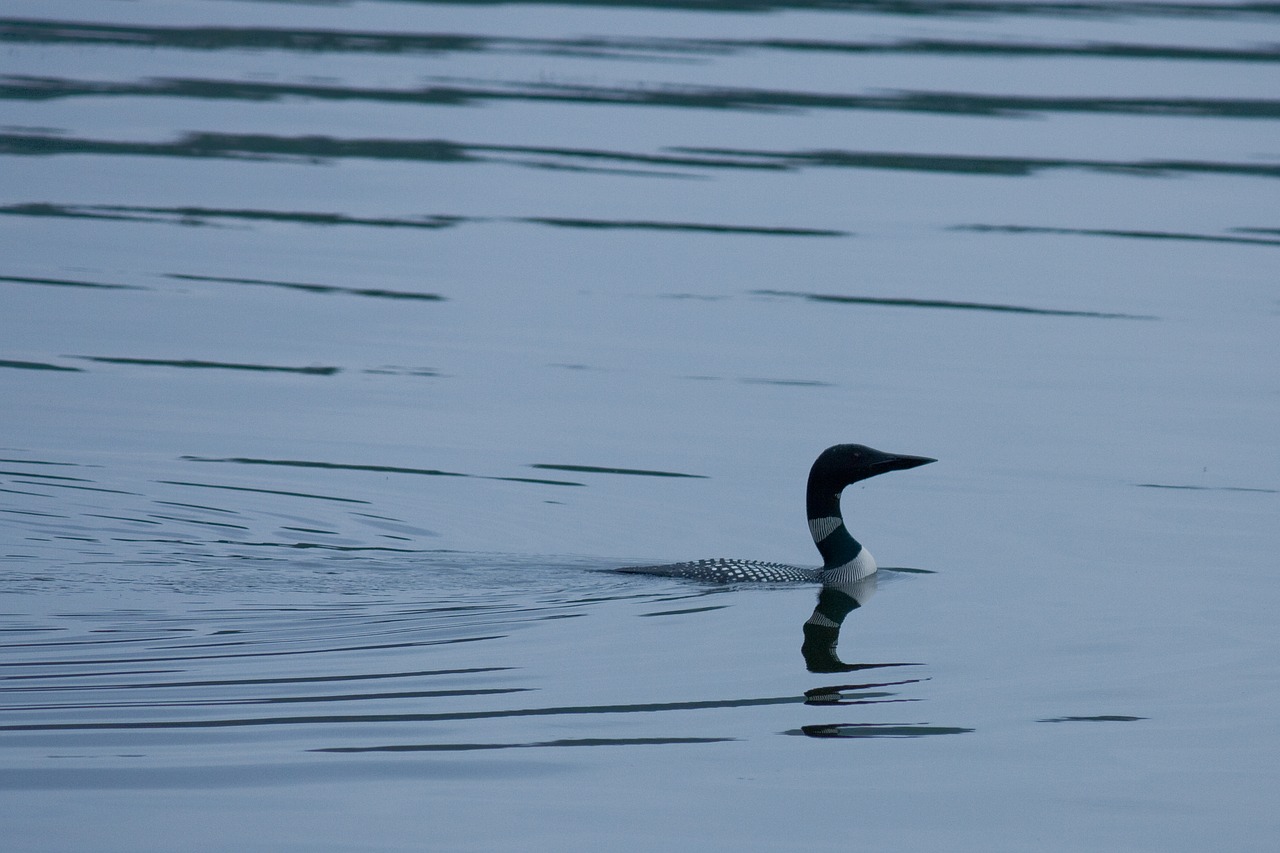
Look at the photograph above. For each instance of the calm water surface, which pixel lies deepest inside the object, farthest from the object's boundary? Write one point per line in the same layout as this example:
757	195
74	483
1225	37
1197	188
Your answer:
344	346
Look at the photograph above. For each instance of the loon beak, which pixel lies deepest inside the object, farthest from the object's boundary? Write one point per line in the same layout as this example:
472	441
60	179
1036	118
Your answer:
894	462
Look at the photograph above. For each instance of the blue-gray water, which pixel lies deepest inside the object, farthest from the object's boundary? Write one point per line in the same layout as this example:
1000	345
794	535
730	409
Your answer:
342	345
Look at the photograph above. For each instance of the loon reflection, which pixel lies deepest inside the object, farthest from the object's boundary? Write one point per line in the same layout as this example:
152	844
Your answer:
821	636
822	629
844	560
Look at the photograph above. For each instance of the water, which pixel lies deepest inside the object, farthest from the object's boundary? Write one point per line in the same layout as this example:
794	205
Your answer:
344	346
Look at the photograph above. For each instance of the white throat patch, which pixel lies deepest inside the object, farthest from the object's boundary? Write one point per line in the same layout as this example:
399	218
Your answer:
821	528
860	567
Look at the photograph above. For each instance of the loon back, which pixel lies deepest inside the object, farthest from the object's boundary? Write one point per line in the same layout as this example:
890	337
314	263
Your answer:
844	560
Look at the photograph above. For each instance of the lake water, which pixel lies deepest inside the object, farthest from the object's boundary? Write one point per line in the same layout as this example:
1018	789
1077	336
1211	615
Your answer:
345	345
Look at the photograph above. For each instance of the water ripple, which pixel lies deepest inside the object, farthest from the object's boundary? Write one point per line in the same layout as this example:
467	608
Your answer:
37	365
457	716
905	302
210	365
449	93
469	747
913	9
1128	234
312	41
321	149
381	469
63	282
211	217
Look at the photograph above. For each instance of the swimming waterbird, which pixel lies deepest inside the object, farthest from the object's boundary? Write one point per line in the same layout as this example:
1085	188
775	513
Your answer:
844	560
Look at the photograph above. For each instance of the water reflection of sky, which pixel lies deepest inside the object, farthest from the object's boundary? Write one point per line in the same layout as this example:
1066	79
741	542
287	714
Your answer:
325	324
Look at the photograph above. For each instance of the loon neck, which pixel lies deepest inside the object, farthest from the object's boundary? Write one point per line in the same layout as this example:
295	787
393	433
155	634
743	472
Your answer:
826	524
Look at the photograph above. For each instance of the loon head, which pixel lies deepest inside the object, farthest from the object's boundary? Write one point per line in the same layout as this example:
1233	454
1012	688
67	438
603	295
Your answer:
844	464
843	557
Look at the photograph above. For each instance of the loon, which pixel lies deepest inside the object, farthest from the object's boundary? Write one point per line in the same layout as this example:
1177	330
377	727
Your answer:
844	560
